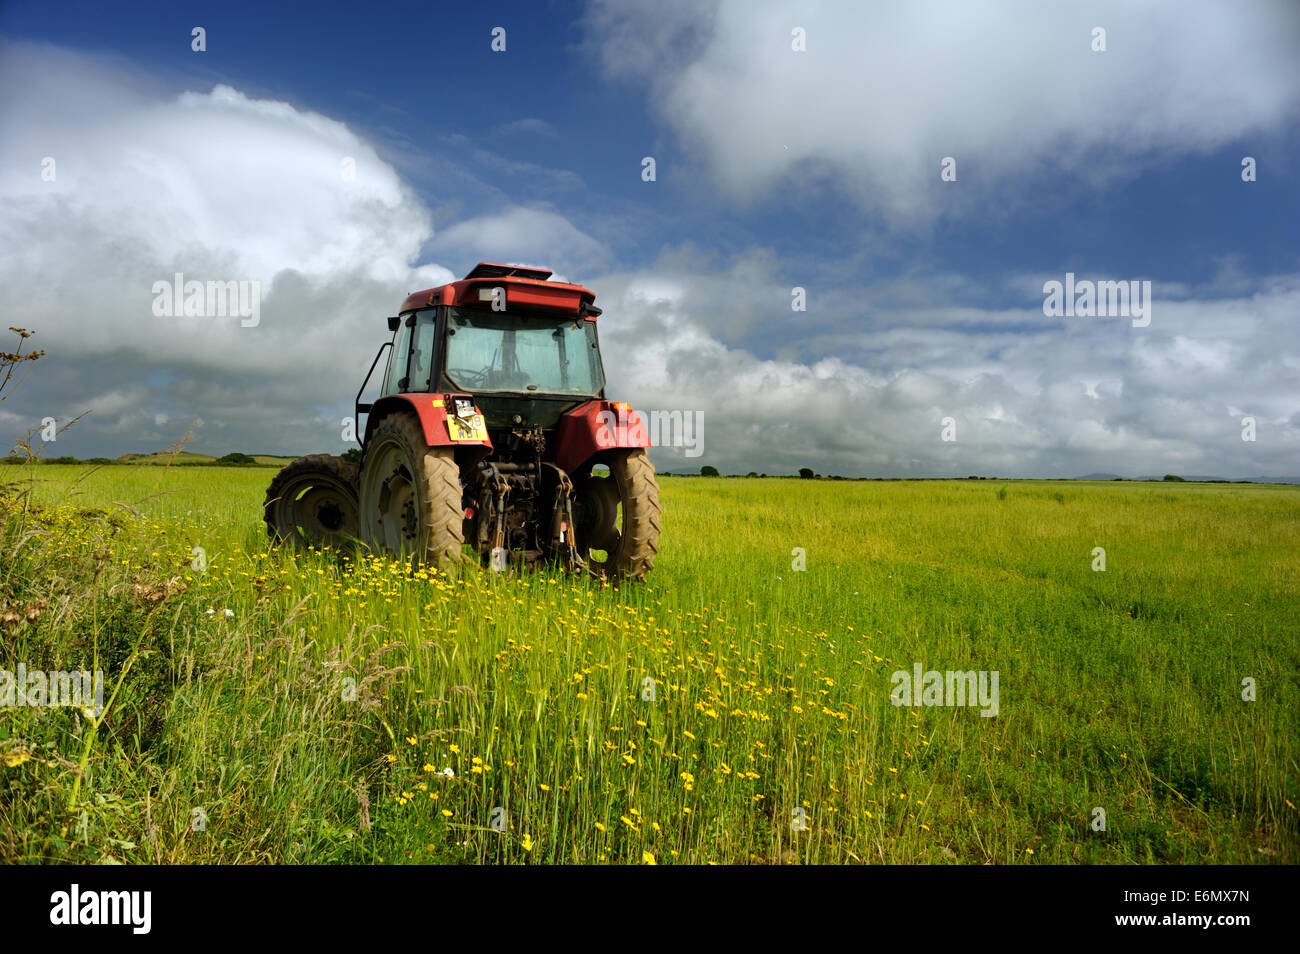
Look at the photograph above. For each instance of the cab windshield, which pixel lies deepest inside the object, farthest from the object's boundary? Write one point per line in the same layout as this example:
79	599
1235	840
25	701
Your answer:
497	351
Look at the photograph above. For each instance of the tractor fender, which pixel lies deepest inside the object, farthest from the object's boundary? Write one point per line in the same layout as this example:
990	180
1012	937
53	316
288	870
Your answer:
432	413
594	427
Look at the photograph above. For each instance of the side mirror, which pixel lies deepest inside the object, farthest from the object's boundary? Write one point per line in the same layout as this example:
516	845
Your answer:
393	323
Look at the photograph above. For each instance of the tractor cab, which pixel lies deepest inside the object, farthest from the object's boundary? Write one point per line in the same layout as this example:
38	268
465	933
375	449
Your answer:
520	351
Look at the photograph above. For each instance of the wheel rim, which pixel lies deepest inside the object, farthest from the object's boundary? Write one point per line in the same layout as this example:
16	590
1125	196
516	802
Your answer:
600	517
317	510
389	501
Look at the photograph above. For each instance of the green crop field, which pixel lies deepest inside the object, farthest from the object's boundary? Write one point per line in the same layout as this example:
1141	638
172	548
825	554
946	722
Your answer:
265	706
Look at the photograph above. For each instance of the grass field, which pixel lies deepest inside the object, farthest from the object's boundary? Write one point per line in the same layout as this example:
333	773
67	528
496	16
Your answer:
272	707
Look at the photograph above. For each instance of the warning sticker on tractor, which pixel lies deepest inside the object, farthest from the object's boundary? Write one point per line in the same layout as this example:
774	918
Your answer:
466	429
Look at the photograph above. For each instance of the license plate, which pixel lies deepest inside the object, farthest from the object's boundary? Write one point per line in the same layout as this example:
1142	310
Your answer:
467	429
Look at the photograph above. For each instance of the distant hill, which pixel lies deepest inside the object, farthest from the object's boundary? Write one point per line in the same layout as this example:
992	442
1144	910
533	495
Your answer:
184	457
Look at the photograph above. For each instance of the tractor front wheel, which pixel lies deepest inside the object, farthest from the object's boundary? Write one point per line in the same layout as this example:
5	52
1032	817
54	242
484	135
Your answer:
618	516
410	494
313	502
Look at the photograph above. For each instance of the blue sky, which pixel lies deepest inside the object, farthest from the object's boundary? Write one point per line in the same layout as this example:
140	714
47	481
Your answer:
775	168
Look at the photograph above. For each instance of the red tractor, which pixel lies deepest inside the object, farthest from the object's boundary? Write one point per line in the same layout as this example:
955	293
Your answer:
491	431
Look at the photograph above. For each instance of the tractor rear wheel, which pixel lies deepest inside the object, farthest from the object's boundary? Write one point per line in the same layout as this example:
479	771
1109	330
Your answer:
410	499
313	502
618	516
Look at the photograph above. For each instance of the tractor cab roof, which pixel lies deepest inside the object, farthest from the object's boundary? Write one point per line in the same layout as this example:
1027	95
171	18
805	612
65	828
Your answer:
526	289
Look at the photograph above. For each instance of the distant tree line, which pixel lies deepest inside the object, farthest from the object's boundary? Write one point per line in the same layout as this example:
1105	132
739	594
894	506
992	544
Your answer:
233	459
17	459
807	473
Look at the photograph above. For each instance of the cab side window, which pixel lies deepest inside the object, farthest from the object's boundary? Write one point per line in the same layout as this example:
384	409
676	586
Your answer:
422	351
397	356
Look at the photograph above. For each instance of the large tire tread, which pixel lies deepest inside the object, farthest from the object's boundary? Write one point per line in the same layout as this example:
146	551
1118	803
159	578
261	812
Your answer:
334	469
436	477
642	514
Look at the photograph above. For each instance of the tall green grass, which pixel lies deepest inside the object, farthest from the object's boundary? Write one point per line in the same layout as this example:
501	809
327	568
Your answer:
328	707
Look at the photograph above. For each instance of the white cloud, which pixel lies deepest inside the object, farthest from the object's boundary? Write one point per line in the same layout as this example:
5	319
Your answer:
519	233
1055	397
530	125
1011	89
214	185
